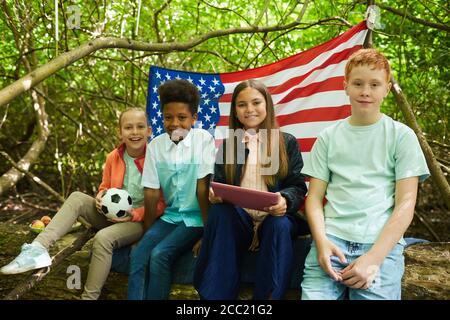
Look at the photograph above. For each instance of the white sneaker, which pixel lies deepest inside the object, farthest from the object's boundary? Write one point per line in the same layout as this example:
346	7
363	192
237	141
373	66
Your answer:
32	256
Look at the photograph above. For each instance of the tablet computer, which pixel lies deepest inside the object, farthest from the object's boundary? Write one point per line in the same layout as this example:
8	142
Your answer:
244	197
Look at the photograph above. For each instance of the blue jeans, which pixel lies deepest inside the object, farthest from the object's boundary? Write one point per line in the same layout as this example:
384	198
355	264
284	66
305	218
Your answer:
151	260
228	234
318	285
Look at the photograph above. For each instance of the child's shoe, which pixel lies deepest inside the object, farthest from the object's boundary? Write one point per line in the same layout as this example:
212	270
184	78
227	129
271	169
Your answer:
32	256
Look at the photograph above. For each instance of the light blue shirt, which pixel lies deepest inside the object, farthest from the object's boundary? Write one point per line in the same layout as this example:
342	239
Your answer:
175	168
132	181
361	165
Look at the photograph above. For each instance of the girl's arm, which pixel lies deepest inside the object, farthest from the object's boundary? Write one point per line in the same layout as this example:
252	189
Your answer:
316	221
151	198
106	177
293	187
105	184
362	271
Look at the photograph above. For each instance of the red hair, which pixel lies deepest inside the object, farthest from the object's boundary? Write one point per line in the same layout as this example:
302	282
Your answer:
370	57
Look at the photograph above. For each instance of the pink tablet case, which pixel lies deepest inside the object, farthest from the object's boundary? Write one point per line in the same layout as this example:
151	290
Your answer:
244	197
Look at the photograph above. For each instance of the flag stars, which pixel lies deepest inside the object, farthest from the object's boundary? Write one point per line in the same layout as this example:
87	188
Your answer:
155	105
217	95
199	109
178	77
211	126
200	124
154	121
215	81
190	79
206	101
155	89
158	75
159	113
159	129
168	77
199	88
204	95
208	117
213	109
212	89
202	81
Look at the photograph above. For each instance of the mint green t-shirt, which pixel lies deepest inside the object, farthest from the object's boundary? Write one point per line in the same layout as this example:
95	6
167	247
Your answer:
361	165
132	181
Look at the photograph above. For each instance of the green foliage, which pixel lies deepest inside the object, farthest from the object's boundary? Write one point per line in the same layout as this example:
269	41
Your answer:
83	100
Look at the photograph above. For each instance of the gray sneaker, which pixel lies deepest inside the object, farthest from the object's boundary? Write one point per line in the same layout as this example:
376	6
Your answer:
32	256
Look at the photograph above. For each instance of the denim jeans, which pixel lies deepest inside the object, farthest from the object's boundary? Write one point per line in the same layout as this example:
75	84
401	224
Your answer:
152	259
228	234
318	285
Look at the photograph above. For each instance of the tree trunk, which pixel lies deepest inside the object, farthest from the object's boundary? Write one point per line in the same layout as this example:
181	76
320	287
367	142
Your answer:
33	78
433	165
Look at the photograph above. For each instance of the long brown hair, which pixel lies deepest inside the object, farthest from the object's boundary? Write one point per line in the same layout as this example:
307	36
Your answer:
268	123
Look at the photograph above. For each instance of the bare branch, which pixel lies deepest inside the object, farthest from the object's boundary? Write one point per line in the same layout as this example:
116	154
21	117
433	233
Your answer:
409	16
67	58
30	282
34	178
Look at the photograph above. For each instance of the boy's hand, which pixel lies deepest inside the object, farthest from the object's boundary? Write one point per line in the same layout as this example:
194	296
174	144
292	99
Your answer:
278	209
324	254
196	248
98	201
212	197
361	273
127	218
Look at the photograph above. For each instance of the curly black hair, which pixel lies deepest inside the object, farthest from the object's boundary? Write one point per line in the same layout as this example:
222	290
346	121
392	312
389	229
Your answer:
179	91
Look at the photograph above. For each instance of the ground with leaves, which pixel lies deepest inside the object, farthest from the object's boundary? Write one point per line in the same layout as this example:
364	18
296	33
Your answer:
427	275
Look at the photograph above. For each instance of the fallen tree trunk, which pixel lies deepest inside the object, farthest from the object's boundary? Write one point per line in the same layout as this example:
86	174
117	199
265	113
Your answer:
37	276
427	273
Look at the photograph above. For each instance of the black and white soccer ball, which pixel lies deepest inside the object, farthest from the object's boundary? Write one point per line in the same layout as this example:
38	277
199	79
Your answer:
115	203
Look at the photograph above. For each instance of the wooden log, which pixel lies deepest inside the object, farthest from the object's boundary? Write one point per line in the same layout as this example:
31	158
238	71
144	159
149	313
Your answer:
37	276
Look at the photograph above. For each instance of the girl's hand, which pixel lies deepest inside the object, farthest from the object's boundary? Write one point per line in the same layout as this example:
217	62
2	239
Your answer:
127	218
212	197
324	253
278	209
98	201
361	273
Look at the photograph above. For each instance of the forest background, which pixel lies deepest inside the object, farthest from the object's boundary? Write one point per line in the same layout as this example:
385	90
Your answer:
54	137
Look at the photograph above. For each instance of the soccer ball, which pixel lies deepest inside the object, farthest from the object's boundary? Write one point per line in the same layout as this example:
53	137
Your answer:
115	203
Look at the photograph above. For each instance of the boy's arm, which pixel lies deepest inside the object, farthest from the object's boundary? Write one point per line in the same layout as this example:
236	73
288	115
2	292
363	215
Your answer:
316	221
202	196
362	271
151	198
203	202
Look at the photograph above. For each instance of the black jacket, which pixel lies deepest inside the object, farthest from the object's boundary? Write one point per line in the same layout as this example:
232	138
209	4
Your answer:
292	187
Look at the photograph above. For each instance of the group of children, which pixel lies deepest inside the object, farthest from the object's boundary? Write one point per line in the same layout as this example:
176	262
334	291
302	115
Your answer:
357	250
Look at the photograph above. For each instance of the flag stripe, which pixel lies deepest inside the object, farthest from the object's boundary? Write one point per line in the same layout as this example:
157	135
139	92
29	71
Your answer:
302	58
304	116
335	67
307	90
317	100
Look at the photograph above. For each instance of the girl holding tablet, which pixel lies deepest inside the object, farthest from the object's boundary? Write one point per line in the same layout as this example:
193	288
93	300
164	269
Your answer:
258	156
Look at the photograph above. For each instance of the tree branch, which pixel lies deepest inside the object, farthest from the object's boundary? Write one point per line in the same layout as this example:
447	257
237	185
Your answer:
33	78
433	165
413	18
30	282
34	178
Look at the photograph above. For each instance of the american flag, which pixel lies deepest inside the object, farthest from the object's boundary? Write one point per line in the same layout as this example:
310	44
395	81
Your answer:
307	90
